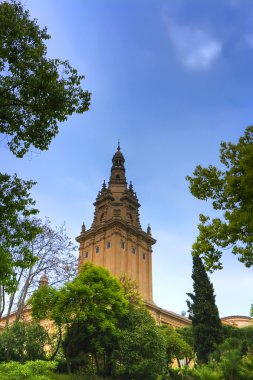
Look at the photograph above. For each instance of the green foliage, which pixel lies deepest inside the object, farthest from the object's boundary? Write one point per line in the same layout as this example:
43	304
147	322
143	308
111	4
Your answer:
142	347
22	342
90	308
16	227
94	296
203	312
131	291
187	334
43	302
230	363
246	367
206	372
36	92
231	191
176	347
31	370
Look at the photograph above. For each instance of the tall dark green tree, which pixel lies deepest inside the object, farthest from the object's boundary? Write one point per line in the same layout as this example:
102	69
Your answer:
203	312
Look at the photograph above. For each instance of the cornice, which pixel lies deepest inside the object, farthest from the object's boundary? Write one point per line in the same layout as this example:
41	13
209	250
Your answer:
104	227
170	314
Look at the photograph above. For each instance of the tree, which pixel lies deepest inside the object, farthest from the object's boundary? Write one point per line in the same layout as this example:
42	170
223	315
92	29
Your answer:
131	291
176	347
53	251
22	342
142	348
16	230
90	308
231	191
36	92
203	312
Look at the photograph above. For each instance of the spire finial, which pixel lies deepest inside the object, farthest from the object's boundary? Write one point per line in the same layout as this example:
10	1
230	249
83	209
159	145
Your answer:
149	230
118	144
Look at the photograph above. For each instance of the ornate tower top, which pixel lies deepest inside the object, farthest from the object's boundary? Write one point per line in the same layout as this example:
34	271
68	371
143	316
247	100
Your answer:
118	177
116	239
117	202
43	280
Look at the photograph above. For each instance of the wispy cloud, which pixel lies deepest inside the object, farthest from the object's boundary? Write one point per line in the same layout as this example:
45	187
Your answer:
196	49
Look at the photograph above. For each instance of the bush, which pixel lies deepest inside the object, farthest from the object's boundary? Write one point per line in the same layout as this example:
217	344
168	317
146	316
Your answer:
23	342
32	370
205	372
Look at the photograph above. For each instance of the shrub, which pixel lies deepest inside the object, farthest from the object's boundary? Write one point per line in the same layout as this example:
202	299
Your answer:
32	370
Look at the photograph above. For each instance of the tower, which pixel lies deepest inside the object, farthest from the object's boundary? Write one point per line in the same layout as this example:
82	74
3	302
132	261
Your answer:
116	240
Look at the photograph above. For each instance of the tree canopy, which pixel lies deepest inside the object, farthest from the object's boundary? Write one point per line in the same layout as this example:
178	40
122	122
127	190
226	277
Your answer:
231	192
92	304
53	251
36	92
16	228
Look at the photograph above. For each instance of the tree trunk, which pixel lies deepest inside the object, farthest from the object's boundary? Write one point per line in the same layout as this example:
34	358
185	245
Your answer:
2	300
58	344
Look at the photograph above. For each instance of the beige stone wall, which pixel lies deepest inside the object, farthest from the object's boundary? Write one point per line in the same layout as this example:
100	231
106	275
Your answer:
122	253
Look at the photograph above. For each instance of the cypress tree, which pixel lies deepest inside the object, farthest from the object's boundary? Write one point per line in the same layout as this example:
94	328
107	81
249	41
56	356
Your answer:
203	312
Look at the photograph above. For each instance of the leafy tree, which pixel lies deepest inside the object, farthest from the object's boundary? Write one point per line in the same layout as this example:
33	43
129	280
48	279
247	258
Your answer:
131	291
142	347
16	230
176	347
231	192
203	312
22	342
92	305
187	334
244	337
36	92
53	251
246	367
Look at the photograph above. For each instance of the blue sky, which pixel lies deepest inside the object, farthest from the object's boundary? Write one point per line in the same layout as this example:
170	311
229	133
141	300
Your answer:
171	80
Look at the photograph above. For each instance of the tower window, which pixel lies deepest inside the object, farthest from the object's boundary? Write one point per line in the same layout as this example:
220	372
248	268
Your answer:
122	244
133	250
86	254
144	256
97	249
117	176
108	245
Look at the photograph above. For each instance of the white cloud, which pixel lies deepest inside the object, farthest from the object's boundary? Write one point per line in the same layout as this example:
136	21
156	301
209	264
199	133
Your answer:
195	48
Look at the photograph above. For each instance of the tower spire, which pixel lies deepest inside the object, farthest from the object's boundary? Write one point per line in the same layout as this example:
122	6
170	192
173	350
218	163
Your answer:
118	177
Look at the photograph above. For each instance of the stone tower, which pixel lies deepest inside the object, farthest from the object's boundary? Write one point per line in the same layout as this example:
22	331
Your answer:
116	240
